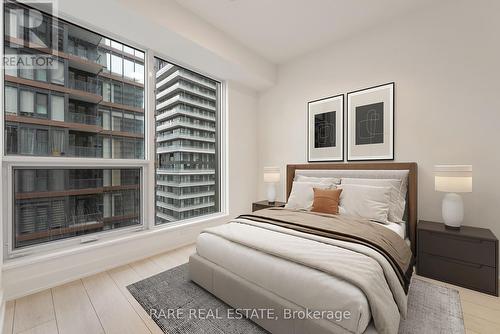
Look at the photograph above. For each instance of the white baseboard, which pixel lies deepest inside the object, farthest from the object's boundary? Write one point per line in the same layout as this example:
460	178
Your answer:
33	276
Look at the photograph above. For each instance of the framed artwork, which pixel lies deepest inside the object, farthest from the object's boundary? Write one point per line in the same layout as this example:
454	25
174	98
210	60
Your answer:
370	123
326	129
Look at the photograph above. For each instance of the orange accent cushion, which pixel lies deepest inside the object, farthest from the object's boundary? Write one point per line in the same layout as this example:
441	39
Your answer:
326	200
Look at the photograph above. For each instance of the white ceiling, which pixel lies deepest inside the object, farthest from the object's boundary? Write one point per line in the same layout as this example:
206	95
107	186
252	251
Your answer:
280	30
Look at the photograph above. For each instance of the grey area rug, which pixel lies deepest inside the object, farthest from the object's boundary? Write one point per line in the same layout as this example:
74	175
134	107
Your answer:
179	306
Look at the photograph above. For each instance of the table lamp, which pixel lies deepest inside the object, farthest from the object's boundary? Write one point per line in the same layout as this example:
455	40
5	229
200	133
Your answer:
271	177
453	179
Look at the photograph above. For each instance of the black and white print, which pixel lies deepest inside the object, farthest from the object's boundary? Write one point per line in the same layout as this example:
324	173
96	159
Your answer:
325	129
370	123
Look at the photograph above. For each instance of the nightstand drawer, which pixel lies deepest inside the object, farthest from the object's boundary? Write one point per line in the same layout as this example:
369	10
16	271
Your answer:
474	276
464	249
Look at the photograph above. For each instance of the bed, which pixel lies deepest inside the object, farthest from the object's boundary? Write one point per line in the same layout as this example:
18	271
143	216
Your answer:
317	273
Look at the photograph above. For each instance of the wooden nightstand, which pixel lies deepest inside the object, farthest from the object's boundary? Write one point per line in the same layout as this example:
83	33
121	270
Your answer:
467	257
265	204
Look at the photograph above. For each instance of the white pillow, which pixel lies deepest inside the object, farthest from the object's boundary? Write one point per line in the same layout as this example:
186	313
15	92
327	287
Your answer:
365	201
302	195
324	180
397	201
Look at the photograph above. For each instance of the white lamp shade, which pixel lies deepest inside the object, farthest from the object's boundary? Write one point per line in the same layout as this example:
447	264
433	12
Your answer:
453	178
272	174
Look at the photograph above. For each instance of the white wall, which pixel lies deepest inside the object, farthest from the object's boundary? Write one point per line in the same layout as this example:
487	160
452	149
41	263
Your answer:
243	163
445	62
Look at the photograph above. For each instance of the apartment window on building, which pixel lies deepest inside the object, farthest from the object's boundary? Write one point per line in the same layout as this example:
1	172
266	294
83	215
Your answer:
55	204
91	105
187	144
92	72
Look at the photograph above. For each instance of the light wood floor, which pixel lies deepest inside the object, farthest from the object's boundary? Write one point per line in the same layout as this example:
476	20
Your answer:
102	303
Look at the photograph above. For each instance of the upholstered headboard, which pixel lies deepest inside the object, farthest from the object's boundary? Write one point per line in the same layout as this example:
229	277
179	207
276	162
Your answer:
385	170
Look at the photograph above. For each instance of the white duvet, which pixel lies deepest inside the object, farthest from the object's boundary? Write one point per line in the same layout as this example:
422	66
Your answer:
238	246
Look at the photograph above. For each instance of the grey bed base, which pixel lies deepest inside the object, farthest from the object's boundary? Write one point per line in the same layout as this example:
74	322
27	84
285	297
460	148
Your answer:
241	293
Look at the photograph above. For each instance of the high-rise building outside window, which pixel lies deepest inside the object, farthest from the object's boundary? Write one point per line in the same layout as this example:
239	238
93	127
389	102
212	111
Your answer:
59	113
81	78
55	204
187	144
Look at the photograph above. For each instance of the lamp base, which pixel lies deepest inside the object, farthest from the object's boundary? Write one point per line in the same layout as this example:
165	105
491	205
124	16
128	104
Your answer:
271	193
453	228
453	210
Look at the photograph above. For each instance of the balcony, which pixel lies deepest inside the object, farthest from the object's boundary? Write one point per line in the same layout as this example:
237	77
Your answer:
161	138
185	184
70	225
184	148
85	151
179	110
89	85
185	124
184	207
182	98
178	74
178	170
192	89
75	117
184	196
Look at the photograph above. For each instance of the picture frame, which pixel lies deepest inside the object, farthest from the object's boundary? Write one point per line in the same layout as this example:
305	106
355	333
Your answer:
325	129
370	123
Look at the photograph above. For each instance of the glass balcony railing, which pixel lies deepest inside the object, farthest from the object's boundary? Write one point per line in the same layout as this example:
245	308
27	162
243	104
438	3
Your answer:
130	125
89	85
84	219
84	183
86	53
75	117
85	151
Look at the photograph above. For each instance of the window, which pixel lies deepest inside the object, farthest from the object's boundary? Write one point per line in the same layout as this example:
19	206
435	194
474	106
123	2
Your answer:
106	91
117	121
116	94
11	140
41	104
106	121
182	160
128	49
14	22
41	217
128	68
42	142
57	108
27	73
10	100
116	65
10	70
27	102
58	73
92	106
58	147
41	74
139	72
